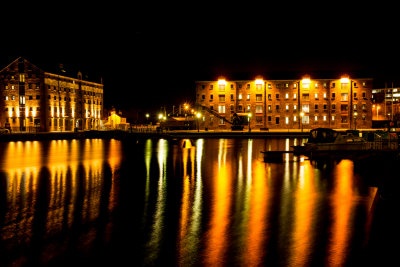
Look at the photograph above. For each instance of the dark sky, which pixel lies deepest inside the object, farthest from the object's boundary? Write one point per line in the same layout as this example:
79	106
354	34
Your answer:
150	56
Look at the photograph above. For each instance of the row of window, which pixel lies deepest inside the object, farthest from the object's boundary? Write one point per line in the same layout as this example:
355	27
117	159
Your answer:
305	119
305	97
305	108
284	85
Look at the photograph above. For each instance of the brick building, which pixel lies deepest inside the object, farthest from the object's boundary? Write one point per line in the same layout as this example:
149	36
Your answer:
32	99
342	103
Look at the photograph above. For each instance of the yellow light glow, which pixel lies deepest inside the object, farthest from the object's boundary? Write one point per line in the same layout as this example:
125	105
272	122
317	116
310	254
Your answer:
221	82
249	114
10	112
160	116
34	112
306	81
259	81
344	80
17	109
198	115
301	114
27	112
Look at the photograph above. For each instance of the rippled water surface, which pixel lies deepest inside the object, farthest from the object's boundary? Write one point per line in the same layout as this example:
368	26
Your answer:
174	202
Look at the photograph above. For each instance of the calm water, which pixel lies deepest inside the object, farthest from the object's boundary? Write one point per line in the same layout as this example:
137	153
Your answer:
155	203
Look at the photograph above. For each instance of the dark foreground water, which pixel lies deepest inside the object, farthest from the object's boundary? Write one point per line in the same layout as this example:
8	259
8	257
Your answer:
153	202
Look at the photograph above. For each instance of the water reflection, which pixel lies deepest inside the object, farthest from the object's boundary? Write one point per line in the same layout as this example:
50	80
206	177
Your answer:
156	236
195	202
49	187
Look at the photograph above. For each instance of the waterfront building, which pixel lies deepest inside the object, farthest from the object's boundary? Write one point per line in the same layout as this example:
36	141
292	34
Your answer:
34	100
343	103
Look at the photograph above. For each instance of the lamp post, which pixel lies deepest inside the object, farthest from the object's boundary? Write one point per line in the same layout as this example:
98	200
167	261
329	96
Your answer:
198	115
355	120
147	117
248	119
301	119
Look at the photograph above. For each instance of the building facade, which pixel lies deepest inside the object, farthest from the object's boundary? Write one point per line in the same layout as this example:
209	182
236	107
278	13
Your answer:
342	103
32	99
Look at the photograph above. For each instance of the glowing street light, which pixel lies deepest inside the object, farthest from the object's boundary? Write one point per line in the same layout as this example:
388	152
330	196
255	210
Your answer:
198	115
355	120
248	118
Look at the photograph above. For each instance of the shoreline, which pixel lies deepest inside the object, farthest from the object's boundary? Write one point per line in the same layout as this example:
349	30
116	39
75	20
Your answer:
124	135
120	135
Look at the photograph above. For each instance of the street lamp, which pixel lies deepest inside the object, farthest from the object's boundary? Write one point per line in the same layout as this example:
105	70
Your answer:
355	120
301	119
248	118
198	115
147	117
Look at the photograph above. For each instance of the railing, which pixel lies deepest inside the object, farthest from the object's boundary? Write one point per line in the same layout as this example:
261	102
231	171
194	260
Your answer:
390	143
213	112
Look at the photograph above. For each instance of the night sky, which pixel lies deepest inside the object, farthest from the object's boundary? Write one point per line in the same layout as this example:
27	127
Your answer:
150	56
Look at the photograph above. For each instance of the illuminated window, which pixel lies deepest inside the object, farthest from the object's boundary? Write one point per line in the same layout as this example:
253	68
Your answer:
248	107
6	97
324	95
287	120
294	107
258	86
286	96
324	118
258	97
287	107
306	108
269	107
240	96
344	97
259	109
248	97
22	100
305	120
295	85
294	96
21	77
306	97
221	109
269	97
316	96
315	118
294	118
269	86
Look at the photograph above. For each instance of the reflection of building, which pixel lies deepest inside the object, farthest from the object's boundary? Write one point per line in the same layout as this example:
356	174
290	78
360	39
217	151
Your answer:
116	121
32	98
287	104
386	104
